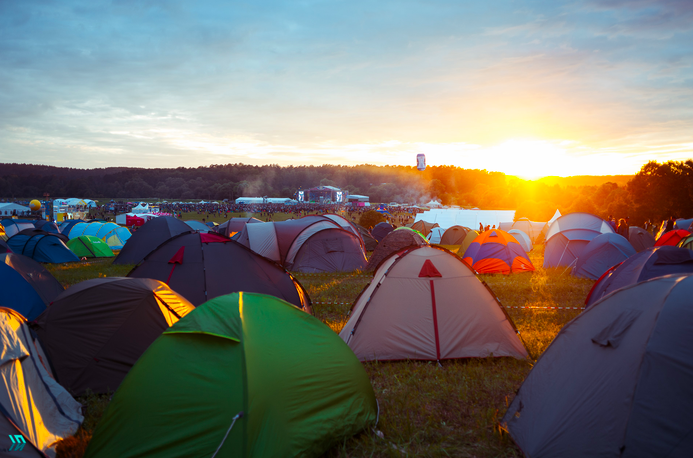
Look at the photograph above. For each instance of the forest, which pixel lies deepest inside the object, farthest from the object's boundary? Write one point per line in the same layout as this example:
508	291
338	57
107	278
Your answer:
657	191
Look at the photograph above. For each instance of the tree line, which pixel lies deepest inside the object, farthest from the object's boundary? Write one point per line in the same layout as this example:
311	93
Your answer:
656	192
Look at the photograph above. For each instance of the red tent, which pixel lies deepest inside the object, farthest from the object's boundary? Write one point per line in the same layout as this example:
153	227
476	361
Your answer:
672	237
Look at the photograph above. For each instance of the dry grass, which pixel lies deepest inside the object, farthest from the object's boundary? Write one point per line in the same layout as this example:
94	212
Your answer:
425	409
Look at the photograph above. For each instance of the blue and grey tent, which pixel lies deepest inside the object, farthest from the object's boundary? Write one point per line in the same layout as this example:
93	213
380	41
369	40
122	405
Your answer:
651	263
601	254
41	246
47	226
15	226
569	235
25	286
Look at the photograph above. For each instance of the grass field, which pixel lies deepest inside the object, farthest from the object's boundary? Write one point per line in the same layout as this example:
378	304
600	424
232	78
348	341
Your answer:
425	409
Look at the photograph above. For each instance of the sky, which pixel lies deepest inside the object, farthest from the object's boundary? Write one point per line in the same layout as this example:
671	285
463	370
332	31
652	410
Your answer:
529	88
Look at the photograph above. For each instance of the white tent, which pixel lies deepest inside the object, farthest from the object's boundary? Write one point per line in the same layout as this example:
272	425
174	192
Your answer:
555	217
469	218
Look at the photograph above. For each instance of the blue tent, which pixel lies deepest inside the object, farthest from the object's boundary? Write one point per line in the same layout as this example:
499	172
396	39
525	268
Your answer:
25	286
602	253
683	224
651	263
569	235
47	226
15	226
66	226
381	230
41	247
565	247
198	226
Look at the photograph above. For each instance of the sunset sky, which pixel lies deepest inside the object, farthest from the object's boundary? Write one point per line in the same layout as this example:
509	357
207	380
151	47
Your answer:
529	88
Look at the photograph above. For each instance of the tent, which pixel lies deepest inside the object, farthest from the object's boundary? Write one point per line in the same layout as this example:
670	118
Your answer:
532	228
274	381
235	225
15	226
601	253
33	406
347	226
522	238
425	303
66	226
569	235
616	381
555	216
97	329
435	235
299	244
672	238
202	266
25	285
392	243
198	226
47	226
640	238
497	252
369	241
454	235
89	246
4	248
424	227
41	246
650	263
148	237
381	230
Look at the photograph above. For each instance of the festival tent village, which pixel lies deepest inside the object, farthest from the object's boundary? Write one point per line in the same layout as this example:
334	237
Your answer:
253	321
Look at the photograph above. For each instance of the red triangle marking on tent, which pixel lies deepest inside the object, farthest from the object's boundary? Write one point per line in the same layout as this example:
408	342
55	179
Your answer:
429	270
178	257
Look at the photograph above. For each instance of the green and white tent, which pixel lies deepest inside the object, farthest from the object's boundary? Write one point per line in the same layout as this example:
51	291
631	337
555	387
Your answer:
90	247
242	375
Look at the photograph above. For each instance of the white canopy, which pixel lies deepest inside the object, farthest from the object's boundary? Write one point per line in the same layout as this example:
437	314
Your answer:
449	217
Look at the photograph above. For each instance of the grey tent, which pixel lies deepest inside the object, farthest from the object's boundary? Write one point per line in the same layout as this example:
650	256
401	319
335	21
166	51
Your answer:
640	238
616	381
454	235
234	226
392	243
33	406
369	241
425	303
148	237
96	330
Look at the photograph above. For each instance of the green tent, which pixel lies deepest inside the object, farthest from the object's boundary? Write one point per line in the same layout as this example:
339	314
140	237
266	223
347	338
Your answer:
243	375
90	247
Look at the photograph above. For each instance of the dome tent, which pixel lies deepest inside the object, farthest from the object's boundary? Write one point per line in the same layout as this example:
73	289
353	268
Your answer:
569	235
522	238
424	227
202	266
601	253
615	381
436	235
15	226
651	263
97	329
115	236
26	286
369	242
672	238
89	246
454	235
640	238
392	243
235	225
425	303
496	251
380	230
32	404
41	246
148	237
258	397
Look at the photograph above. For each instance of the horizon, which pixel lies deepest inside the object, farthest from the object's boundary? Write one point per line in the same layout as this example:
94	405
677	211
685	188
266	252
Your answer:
534	90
